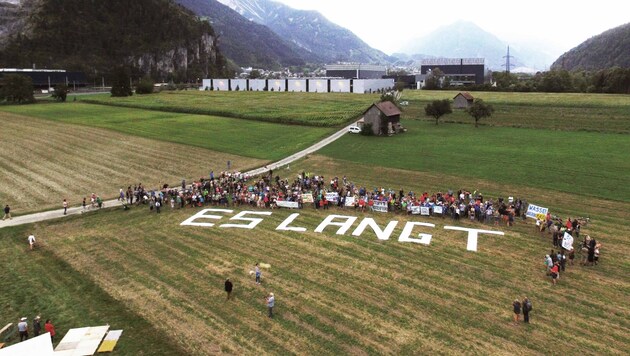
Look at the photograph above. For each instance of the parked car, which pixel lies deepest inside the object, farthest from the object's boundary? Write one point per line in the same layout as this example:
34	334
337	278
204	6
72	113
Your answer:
354	129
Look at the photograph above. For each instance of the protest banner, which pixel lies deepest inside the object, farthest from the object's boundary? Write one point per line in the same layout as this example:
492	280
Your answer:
567	242
415	210
349	201
424	210
307	198
380	206
287	204
332	197
536	212
438	210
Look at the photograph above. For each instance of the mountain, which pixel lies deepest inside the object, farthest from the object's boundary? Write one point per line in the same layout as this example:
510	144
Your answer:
308	30
247	43
608	49
156	37
464	39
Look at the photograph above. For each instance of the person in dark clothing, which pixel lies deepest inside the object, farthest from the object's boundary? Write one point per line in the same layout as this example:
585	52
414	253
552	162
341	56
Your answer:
228	288
517	310
37	326
527	307
591	251
7	212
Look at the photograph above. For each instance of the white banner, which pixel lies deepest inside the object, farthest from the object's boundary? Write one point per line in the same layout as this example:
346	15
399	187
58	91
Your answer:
567	242
349	201
380	206
307	198
424	210
536	212
332	197
287	204
415	210
438	209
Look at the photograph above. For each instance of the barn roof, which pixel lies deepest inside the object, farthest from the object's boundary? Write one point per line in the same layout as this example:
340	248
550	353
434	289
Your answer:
466	95
388	108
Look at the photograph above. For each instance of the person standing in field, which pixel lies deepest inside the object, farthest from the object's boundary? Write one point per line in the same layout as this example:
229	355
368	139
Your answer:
228	288
65	206
83	205
271	302
516	306
50	328
7	212
555	273
31	241
527	307
37	326
23	329
258	274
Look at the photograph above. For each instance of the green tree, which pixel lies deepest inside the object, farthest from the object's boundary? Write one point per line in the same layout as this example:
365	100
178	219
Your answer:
434	79
17	89
393	96
400	86
478	110
505	80
145	86
438	108
60	93
255	74
121	86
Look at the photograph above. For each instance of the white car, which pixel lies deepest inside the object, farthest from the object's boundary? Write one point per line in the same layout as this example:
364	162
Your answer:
354	129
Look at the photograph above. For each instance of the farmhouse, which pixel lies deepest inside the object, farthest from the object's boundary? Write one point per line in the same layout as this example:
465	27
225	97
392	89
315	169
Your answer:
463	100
383	118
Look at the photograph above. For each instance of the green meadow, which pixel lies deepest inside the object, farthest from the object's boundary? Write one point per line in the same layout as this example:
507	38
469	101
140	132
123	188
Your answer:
335	293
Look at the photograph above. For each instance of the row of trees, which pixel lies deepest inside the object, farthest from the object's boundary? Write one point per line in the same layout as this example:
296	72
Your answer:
478	110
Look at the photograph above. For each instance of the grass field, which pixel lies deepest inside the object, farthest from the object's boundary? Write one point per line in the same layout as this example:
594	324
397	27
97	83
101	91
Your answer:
42	162
341	294
548	111
584	163
335	294
311	109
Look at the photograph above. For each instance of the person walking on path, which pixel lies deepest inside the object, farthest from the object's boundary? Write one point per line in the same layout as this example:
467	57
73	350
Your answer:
258	274
37	326
84	205
228	288
50	328
23	329
517	310
65	206
31	241
271	302
7	212
527	307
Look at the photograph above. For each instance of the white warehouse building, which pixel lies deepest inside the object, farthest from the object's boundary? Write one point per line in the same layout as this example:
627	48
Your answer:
304	85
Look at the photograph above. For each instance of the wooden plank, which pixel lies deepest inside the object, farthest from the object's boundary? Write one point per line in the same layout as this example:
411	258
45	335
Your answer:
6	327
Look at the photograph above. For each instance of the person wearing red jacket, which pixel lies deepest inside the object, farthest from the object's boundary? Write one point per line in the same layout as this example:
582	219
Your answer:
50	328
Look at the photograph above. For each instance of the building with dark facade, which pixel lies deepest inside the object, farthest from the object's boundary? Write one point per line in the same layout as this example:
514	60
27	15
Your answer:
460	71
355	71
48	78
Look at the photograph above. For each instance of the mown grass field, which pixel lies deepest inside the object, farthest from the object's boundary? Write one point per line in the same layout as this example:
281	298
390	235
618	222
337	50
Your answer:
310	109
262	140
339	294
43	162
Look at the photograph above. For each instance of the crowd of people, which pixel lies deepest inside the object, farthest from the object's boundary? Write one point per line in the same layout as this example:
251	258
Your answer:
23	328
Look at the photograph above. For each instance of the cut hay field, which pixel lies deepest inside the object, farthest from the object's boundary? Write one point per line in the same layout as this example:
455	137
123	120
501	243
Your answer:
608	113
339	294
261	140
310	109
43	161
585	163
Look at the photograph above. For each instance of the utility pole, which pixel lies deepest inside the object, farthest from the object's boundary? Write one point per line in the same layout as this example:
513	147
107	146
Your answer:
507	64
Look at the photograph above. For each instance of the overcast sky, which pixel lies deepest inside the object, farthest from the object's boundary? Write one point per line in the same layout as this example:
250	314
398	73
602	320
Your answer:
558	25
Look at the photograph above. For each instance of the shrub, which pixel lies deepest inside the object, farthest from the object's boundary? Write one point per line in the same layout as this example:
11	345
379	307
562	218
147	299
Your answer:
366	130
17	89
60	93
145	86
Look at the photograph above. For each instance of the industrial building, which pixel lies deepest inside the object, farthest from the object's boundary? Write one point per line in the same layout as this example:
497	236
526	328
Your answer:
355	71
305	85
48	78
460	71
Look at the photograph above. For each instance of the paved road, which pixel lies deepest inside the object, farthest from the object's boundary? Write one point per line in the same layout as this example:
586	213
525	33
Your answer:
58	213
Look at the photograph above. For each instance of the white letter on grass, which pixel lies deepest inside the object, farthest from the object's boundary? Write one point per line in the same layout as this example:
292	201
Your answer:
380	234
202	215
472	235
253	221
284	226
343	226
425	239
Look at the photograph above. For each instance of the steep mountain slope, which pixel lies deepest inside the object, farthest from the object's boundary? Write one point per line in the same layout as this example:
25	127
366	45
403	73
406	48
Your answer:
466	40
149	36
608	49
309	30
245	42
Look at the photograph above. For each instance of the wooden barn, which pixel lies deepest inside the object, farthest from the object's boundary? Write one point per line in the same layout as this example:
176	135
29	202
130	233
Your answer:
463	100
383	117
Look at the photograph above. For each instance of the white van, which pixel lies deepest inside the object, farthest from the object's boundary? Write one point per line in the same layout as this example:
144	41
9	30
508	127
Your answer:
354	129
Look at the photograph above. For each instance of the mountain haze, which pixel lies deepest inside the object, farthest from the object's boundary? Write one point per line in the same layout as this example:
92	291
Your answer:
608	49
464	39
245	42
309	30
